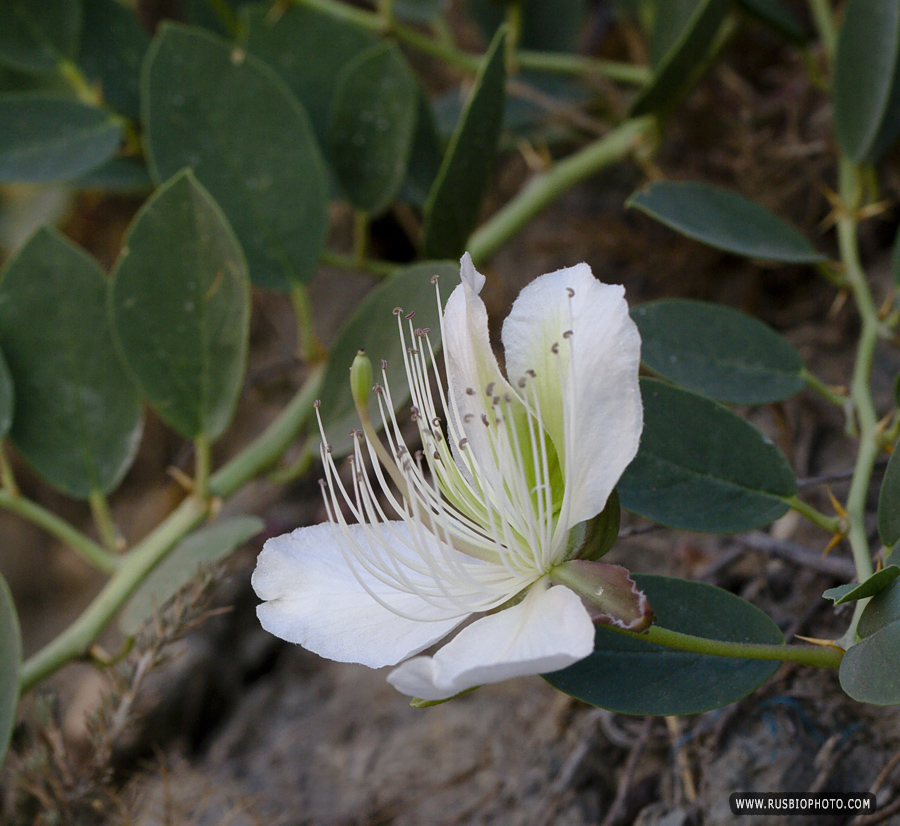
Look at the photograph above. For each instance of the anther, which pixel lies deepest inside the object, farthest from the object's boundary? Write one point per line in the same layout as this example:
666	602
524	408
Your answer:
322	484
398	310
571	292
462	443
412	351
568	334
495	401
418	455
378	389
470	391
522	382
434	279
484	419
437	456
328	448
317	403
410	315
554	348
468	417
436	421
384	364
531	373
489	390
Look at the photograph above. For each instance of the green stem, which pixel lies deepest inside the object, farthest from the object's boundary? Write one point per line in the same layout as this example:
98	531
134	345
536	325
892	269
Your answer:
860	390
75	641
814	655
347	262
308	347
106	527
202	463
348	14
574	64
83	545
824	19
832	524
77	82
547	187
815	383
7	477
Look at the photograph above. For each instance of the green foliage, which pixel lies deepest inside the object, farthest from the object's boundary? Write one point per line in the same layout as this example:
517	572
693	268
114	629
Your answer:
77	418
777	15
869	669
852	592
701	467
47	138
889	502
551	27
867	79
7	399
10	659
634	676
210	106
717	352
372	124
454	203
180	304
35	37
724	220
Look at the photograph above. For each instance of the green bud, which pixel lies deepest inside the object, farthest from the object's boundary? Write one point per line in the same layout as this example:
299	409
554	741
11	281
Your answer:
361	383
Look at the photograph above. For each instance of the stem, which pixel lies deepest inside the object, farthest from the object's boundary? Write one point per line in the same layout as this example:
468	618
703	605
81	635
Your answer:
202	462
814	655
347	13
545	188
347	262
815	383
106	527
267	449
77	82
7	477
309	349
832	524
83	545
75	641
360	237
574	64
824	20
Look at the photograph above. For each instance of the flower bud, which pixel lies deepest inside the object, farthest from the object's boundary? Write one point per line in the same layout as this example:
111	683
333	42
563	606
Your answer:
361	382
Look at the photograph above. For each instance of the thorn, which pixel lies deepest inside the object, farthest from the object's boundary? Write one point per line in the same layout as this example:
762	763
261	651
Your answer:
832	543
824	643
839	509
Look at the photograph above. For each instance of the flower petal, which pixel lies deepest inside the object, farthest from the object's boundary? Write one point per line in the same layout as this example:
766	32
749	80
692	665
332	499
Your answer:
588	391
313	598
548	630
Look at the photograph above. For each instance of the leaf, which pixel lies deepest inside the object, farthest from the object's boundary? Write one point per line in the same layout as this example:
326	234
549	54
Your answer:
180	305
120	174
724	220
373	328
701	467
10	661
778	17
112	50
424	156
201	549
35	37
669	21
717	352
420	12
889	501
547	27
853	592
882	610
454	202
308	49
684	58
46	138
7	398
211	106
372	124
633	676
866	89
870	670
77	418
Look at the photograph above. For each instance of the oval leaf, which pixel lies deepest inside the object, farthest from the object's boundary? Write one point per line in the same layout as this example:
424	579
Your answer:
201	549
50	138
724	220
372	123
870	670
7	398
701	467
718	352
36	37
634	676
180	304
373	328
889	501
867	78
882	610
875	583
10	660
454	202
77	418
212	107
685	57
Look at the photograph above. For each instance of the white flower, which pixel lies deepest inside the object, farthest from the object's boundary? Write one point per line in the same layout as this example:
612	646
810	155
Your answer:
483	514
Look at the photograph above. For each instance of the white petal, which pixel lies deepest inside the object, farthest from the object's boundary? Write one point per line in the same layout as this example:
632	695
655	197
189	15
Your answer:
550	629
314	599
595	416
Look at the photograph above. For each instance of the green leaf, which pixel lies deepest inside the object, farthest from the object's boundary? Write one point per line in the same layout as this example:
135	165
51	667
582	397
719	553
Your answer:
201	549
372	123
634	676
7	398
35	37
724	220
882	610
211	106
684	58
180	304
701	467
424	157
670	19
853	592
121	174
870	670
77	418
867	78
454	202
47	138
10	660
308	49
777	16
717	352
543	26
420	12
889	501
112	50
373	328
